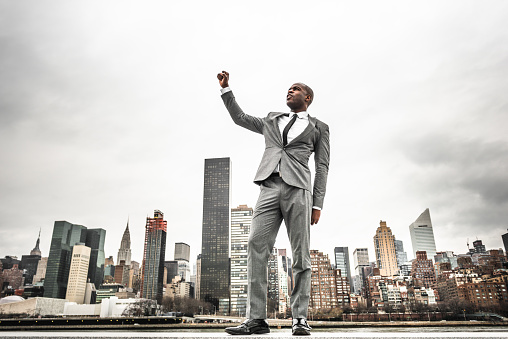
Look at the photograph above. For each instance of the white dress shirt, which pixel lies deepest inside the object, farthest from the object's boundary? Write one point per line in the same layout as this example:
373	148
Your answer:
298	127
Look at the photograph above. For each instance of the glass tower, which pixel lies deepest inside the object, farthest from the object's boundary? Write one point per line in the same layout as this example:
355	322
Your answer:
95	238
153	257
215	266
422	235
65	236
342	262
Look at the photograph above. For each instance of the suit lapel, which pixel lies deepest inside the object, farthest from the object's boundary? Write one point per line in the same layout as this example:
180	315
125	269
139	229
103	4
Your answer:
275	123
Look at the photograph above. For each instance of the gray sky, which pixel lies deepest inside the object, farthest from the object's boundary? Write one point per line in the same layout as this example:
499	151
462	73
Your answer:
109	108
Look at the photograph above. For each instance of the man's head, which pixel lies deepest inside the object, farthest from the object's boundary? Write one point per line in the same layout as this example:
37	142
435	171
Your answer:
299	97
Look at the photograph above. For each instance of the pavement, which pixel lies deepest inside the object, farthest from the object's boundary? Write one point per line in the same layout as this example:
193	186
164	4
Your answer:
283	333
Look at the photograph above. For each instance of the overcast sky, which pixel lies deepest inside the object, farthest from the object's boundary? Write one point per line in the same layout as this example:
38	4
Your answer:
109	108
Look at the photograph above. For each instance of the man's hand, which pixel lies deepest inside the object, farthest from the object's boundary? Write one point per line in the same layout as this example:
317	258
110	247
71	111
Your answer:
315	216
223	79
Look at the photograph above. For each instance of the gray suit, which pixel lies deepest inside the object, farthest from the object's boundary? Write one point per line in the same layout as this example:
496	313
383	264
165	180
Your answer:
287	198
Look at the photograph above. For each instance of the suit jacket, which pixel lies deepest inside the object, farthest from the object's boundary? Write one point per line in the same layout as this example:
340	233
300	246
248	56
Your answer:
294	158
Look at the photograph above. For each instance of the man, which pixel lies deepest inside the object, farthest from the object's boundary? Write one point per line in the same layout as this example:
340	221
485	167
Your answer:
285	183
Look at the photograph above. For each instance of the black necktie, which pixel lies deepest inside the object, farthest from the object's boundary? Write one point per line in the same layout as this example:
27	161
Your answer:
287	128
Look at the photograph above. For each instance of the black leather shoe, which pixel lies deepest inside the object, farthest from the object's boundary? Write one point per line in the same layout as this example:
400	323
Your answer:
250	326
300	327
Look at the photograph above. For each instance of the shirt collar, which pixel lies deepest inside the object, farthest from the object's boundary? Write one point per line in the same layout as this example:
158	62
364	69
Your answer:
301	115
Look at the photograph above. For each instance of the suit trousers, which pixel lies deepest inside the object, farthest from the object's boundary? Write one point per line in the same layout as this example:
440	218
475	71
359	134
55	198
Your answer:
279	201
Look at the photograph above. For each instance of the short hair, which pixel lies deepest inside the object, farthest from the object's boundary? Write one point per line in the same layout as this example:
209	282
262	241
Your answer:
309	91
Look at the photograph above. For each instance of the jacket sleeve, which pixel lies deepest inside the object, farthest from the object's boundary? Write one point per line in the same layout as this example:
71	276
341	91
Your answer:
322	160
239	117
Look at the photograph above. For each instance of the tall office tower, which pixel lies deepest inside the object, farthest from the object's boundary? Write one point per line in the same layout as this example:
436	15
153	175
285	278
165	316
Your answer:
273	284
285	287
37	250
197	289
78	273
65	236
399	251
323	291
182	251
422	235
182	256
215	265
384	246
171	270
342	262
153	257
422	271
95	238
29	262
361	259
505	242
41	271
124	253
241	218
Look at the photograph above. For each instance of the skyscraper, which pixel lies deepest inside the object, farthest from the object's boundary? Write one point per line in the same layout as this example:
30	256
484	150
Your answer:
342	262
384	245
36	250
401	255
65	236
182	251
182	256
505	242
153	257
215	277
361	259
422	235
241	218
95	238
78	273
30	262
124	253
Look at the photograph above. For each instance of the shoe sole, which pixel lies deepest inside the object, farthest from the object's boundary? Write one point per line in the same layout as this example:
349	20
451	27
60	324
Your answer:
262	331
301	331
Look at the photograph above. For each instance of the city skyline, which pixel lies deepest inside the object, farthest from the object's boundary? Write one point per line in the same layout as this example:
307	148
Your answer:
95	110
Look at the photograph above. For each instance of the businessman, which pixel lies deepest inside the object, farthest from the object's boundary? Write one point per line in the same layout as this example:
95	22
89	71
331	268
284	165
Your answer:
286	193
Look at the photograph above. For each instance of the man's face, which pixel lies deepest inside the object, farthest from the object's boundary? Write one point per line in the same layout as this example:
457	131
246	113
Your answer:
296	97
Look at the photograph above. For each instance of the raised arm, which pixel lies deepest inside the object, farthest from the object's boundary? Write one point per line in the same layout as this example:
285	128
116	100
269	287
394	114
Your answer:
239	117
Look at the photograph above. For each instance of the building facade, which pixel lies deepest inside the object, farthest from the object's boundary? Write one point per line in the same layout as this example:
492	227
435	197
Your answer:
422	235
361	259
422	271
215	265
78	274
153	257
342	262
124	252
384	245
65	236
241	218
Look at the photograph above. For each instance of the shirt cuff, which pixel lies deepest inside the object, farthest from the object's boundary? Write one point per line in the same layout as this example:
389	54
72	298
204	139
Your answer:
316	208
225	90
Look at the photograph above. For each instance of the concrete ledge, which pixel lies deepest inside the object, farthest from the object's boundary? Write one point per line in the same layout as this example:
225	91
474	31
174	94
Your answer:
285	334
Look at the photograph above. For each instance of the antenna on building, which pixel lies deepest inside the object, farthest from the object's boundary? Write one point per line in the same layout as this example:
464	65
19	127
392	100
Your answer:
467	243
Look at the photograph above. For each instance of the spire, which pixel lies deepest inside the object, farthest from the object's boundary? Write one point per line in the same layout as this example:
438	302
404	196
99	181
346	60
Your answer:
124	253
36	250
